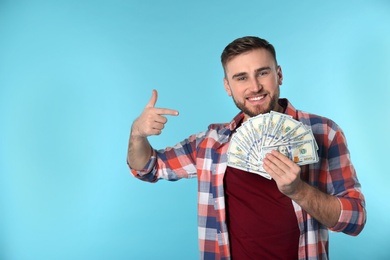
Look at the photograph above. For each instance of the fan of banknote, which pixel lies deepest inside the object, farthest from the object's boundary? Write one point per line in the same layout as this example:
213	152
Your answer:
271	131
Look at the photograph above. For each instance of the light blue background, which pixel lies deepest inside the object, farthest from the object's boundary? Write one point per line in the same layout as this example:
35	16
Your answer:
75	74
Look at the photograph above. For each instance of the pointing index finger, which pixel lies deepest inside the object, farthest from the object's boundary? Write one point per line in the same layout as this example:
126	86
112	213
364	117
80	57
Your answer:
167	111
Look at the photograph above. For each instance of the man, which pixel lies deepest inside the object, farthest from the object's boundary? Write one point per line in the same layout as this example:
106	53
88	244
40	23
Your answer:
243	215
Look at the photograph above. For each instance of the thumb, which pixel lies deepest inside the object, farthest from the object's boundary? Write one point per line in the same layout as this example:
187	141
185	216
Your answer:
153	99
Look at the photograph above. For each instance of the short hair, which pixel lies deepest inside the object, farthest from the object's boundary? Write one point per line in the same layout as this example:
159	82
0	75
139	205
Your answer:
245	44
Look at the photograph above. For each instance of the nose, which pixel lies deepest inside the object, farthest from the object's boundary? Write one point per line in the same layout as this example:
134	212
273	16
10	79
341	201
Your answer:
255	85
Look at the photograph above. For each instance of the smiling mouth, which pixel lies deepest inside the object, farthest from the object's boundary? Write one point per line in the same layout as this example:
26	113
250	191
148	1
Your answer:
257	98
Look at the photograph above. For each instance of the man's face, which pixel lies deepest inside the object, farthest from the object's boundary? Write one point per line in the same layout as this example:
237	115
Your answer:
252	80
283	150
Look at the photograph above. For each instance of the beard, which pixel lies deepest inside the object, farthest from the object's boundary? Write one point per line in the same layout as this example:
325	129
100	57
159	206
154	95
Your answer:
252	112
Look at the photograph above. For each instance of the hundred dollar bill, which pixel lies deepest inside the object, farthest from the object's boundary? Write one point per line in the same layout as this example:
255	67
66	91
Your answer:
258	125
234	160
301	152
287	125
272	122
265	130
290	135
236	152
308	135
247	128
243	156
237	163
244	137
283	125
238	146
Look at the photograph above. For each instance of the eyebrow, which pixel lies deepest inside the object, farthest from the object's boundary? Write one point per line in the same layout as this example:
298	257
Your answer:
263	68
240	74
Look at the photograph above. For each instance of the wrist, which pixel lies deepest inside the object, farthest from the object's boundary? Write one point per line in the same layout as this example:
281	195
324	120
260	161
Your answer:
301	192
135	133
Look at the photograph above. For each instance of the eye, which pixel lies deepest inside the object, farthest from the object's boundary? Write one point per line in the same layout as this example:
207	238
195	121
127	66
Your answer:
241	78
263	73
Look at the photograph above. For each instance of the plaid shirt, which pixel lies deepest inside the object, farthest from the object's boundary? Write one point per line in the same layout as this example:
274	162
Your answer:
204	156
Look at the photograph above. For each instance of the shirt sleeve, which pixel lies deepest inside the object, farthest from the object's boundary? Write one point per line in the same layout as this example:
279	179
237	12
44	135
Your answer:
345	185
172	163
148	173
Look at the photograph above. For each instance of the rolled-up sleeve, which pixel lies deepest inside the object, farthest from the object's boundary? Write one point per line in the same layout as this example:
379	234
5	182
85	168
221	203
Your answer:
352	217
172	163
148	173
346	187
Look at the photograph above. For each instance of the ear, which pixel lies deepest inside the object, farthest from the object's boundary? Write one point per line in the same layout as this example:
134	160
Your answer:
280	75
227	87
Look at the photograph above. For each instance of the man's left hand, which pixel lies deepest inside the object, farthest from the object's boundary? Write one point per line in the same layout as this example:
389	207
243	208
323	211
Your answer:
284	171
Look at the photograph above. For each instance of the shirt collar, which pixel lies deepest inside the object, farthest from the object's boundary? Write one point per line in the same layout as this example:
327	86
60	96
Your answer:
289	108
237	120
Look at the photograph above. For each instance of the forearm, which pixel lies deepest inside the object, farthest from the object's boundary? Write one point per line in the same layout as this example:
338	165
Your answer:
139	152
150	122
323	207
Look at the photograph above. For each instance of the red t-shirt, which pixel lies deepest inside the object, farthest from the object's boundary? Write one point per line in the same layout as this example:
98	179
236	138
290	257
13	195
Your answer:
261	220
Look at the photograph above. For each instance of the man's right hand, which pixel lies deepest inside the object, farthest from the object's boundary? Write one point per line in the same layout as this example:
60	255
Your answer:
150	122
152	119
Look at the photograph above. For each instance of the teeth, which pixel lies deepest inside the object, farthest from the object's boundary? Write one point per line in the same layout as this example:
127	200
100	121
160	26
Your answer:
256	98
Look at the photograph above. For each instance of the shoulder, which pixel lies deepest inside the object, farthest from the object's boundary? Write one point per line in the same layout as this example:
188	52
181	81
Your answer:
228	127
309	119
218	126
221	129
316	121
325	130
218	132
